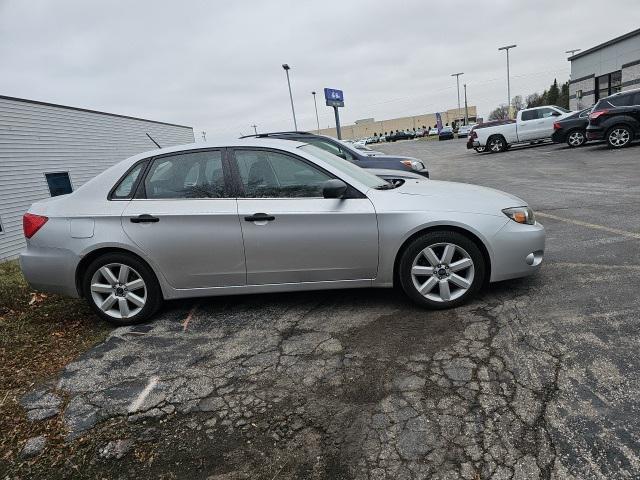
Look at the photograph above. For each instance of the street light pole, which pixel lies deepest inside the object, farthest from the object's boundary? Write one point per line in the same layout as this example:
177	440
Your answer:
293	110
255	129
507	47
457	75
316	105
571	53
466	108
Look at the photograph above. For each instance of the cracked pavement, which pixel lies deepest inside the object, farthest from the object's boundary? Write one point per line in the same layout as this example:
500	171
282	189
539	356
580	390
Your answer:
536	378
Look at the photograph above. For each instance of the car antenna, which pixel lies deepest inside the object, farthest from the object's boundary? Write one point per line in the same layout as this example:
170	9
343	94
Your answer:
151	138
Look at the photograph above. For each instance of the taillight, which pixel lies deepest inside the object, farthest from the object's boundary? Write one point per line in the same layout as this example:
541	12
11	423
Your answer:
32	223
597	113
556	126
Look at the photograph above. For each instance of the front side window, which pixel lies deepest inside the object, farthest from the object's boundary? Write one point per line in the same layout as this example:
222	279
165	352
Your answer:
59	183
186	175
267	174
547	112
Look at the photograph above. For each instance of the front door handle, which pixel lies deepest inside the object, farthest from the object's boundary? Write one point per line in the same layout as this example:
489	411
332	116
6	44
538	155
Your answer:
260	217
144	218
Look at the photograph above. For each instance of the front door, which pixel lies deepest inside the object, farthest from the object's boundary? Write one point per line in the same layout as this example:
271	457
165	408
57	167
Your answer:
291	233
186	221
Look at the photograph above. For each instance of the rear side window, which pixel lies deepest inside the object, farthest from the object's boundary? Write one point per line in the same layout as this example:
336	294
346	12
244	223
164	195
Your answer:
124	189
186	175
529	115
618	101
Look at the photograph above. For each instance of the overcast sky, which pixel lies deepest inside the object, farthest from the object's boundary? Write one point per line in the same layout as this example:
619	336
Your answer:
216	65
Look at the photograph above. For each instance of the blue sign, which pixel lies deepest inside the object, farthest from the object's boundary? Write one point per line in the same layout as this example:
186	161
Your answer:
334	98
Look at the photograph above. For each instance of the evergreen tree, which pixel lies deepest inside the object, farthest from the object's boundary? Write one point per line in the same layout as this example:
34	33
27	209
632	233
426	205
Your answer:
554	94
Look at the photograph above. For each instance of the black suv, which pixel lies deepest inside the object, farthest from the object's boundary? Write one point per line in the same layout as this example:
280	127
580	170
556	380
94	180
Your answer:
616	119
344	150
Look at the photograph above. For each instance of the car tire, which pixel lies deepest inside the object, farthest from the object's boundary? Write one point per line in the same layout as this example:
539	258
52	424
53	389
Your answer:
619	136
121	289
441	269
576	137
496	144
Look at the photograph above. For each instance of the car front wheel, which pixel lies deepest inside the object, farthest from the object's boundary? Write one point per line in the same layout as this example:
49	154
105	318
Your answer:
441	269
496	144
121	289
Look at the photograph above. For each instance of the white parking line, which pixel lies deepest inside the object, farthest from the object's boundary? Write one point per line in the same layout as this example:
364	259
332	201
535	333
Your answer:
593	226
137	403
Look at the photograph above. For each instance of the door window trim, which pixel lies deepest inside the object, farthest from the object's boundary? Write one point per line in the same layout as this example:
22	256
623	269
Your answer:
352	192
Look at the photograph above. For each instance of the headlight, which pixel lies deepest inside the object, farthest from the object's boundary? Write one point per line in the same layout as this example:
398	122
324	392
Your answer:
413	165
520	214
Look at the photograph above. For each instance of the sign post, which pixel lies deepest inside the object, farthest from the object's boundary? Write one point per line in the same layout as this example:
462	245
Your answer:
335	99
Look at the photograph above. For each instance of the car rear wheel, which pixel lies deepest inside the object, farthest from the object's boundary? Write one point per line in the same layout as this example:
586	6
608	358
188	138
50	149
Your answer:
619	136
576	138
121	289
441	269
497	144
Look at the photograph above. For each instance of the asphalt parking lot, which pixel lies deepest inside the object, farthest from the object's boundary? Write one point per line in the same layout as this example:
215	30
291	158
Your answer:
536	378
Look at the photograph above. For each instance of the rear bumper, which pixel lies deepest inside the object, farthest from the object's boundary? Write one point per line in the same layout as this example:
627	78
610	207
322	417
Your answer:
559	136
595	133
519	250
50	269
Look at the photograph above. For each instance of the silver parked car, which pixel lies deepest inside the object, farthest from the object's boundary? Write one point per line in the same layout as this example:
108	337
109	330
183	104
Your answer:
269	215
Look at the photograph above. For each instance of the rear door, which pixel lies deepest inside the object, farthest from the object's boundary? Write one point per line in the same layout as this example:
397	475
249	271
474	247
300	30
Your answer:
291	233
528	124
186	220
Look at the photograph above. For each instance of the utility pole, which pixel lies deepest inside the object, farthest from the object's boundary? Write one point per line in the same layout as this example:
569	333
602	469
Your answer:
316	105
506	48
466	108
204	136
293	110
255	129
457	75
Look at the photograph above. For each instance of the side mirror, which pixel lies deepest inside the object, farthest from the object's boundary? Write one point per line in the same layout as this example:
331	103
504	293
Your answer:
556	114
334	188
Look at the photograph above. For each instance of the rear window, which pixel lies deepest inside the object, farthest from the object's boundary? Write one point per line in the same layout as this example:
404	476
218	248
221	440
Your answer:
529	115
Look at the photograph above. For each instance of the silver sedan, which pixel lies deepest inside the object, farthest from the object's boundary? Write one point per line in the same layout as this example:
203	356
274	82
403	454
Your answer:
267	215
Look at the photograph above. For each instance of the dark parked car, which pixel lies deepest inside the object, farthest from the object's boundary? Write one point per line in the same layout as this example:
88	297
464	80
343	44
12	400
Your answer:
616	119
401	135
572	129
350	153
446	133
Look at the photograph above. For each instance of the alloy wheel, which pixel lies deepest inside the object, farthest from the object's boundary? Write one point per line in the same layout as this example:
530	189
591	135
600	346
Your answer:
576	139
619	137
442	272
118	290
495	145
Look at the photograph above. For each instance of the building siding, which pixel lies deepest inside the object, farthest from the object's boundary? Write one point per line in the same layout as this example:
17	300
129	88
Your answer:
37	138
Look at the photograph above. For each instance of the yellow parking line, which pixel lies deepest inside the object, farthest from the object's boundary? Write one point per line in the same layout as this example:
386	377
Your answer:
593	226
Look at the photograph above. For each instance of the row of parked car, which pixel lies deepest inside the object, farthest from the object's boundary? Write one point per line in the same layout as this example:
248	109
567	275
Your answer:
614	119
445	133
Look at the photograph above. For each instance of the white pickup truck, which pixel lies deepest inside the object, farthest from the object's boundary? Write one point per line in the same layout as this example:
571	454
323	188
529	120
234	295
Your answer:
530	125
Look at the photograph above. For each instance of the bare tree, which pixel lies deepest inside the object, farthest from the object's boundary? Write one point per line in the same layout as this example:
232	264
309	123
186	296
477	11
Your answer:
500	113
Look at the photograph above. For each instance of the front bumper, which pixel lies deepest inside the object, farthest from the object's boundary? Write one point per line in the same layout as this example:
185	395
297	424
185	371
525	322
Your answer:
50	270
518	251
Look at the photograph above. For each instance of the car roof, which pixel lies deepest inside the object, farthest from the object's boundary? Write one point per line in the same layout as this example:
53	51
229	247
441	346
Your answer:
623	92
289	145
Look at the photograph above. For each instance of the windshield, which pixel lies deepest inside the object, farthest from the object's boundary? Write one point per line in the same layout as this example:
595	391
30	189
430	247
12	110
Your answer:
348	168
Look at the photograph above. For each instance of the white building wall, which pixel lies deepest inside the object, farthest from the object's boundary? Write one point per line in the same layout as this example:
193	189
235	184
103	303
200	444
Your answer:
38	138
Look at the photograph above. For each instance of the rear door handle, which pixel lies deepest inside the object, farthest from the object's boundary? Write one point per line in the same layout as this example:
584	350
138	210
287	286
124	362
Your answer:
144	218
259	217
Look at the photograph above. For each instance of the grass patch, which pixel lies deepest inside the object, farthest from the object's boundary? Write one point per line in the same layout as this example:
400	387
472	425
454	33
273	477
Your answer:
39	335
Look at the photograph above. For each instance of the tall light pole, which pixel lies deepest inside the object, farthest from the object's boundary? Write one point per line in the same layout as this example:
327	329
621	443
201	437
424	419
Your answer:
255	129
466	108
508	79
457	75
293	110
571	53
316	105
